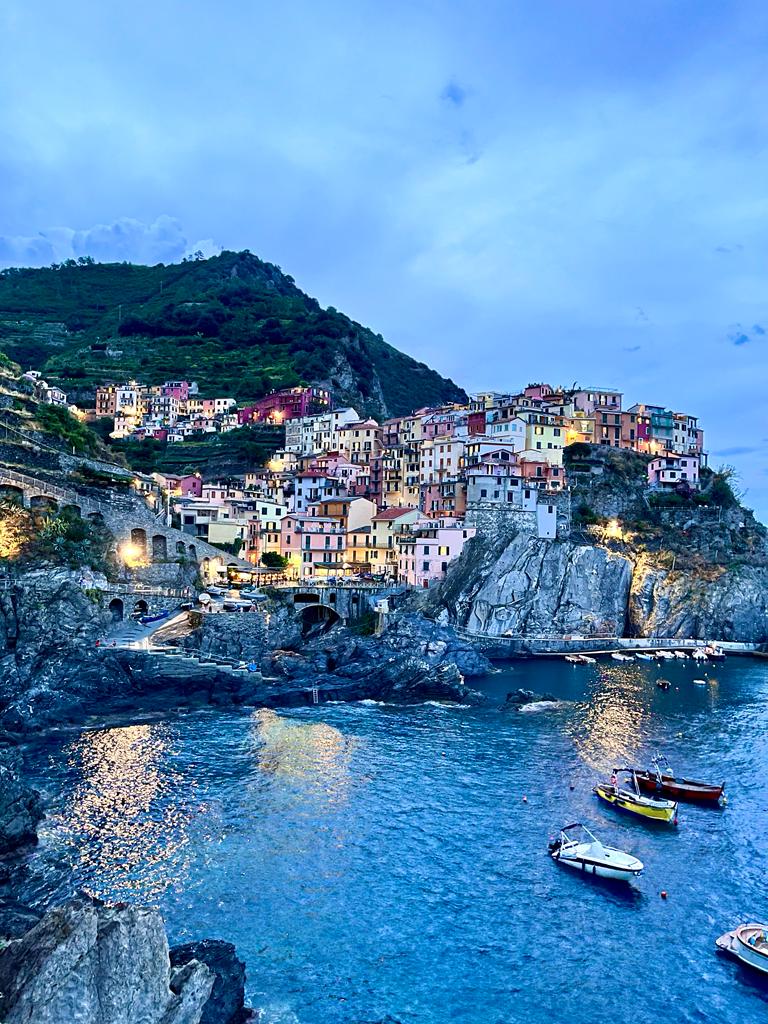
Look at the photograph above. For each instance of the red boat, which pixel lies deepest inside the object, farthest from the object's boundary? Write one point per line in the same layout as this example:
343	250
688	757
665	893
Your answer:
663	782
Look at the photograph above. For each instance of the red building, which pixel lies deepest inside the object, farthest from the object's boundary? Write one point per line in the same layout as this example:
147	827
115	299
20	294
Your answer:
288	404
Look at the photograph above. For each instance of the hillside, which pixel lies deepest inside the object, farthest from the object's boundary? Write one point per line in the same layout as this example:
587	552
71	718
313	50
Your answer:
237	325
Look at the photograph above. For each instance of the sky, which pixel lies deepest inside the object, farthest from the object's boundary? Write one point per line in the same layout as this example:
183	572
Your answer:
509	191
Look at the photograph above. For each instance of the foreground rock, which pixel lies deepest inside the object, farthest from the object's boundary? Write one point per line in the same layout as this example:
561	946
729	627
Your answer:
225	1005
20	806
98	964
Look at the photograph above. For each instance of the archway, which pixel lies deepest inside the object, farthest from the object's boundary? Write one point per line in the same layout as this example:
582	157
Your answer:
139	540
181	547
192	551
140	608
43	501
116	609
96	518
10	493
72	510
159	548
317	618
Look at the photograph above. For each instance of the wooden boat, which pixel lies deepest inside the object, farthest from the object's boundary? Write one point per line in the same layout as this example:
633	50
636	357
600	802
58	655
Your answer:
748	943
578	848
662	781
629	799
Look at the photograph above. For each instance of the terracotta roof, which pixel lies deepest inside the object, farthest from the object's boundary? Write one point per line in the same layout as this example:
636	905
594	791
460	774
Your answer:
392	513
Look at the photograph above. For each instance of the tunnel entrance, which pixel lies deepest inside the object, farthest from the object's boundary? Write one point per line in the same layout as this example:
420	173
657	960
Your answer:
317	618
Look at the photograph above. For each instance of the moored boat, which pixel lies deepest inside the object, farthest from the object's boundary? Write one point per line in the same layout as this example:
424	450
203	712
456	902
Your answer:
586	660
663	684
629	799
699	654
580	849
641	656
574	659
621	657
661	780
715	652
748	943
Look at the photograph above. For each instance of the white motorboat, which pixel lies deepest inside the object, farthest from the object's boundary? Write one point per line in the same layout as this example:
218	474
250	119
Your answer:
621	657
586	660
666	655
748	943
699	682
714	652
680	654
699	655
578	848
644	657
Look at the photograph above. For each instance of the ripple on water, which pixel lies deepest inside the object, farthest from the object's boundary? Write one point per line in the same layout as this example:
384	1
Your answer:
371	860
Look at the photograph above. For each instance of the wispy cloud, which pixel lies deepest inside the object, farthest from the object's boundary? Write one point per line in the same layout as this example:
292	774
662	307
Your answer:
454	94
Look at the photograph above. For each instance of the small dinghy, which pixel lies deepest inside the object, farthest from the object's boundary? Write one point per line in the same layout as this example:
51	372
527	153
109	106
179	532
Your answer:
748	943
586	660
621	657
574	659
699	655
661	781
699	682
644	657
629	799
666	655
578	848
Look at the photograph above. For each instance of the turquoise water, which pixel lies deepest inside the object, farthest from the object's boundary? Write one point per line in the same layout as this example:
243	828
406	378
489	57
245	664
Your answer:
371	861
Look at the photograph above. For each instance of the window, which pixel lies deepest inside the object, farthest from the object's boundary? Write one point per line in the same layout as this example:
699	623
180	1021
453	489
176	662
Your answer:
425	566
483	493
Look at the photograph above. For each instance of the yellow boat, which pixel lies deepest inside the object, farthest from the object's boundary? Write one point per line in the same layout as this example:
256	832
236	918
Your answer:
632	801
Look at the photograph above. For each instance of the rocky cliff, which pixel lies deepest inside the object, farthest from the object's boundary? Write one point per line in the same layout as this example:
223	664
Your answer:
538	588
99	964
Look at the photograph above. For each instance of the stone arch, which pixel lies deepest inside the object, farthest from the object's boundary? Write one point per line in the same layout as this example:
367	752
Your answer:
139	539
96	518
192	551
10	493
140	607
318	615
116	609
73	509
43	501
181	547
159	548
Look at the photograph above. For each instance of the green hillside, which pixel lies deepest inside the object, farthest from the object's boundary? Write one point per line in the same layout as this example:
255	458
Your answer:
234	323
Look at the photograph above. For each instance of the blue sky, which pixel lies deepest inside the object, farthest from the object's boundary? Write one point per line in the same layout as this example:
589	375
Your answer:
509	191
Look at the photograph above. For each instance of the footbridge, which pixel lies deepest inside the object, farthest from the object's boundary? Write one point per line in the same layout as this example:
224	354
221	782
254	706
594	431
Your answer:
345	602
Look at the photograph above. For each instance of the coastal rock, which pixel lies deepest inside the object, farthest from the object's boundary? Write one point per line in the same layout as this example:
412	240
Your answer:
20	806
16	919
717	603
98	964
226	1003
531	587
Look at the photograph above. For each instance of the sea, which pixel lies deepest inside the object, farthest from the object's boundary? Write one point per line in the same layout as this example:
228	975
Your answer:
389	863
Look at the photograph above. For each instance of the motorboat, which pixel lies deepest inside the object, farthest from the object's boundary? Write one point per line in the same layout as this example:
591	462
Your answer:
629	799
748	943
661	780
699	654
699	682
586	660
666	655
663	684
578	848
680	654
621	657
714	652
574	659
642	656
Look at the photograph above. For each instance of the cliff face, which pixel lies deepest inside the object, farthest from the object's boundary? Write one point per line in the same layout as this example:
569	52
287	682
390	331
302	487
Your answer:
97	964
532	587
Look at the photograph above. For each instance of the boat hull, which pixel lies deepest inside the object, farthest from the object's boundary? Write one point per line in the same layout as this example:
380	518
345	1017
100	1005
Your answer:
737	944
586	867
625	802
683	789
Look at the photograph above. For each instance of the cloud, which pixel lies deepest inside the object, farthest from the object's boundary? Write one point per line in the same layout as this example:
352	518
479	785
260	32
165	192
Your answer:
454	93
738	450
757	329
740	339
632	348
126	239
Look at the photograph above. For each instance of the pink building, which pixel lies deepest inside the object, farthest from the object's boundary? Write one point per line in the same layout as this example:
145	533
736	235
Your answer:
178	389
669	471
314	545
426	549
287	404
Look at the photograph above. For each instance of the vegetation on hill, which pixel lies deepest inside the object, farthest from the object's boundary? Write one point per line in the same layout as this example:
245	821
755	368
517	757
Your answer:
220	454
234	323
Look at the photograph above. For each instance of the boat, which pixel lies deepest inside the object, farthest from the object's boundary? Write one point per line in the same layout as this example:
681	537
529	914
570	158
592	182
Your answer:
666	655
578	848
663	684
699	655
629	799
714	652
680	654
699	682
661	780
748	943
644	657
574	659
621	657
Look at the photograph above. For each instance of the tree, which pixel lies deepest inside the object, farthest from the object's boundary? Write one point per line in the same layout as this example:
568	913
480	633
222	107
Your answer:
272	560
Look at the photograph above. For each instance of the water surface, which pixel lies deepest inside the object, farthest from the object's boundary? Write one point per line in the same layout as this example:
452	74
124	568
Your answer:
370	860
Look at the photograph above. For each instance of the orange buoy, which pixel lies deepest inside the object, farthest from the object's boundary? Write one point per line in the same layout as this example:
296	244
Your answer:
663	894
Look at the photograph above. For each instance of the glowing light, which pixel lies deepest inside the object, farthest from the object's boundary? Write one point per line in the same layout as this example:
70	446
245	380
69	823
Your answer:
613	530
131	554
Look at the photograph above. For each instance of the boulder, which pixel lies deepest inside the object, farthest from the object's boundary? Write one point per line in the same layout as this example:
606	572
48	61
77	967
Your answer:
226	1003
20	806
98	964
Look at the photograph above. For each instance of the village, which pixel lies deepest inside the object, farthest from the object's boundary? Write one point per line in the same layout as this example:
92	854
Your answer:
394	501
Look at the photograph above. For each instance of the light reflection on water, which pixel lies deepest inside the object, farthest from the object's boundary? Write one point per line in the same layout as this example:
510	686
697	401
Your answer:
373	860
